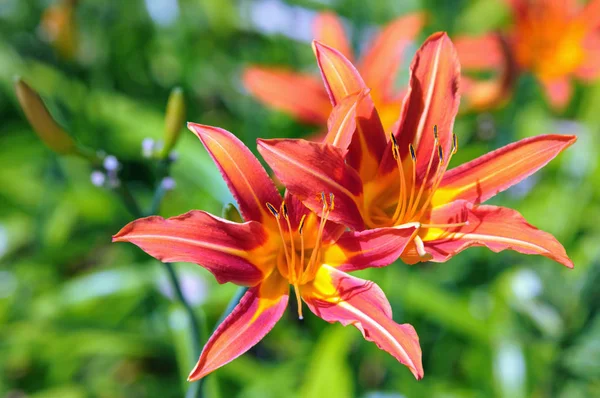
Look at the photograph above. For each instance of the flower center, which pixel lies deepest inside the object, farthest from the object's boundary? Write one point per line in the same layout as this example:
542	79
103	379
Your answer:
548	41
300	262
411	200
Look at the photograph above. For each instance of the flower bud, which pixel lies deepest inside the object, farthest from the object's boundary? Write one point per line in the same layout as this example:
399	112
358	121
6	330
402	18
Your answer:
174	119
41	121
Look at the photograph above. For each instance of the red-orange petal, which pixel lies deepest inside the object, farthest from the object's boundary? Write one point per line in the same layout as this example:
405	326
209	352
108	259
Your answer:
372	248
256	314
328	29
339	75
432	99
479	53
300	95
497	228
590	68
342	121
337	296
484	177
222	247
246	178
379	66
308	169
369	141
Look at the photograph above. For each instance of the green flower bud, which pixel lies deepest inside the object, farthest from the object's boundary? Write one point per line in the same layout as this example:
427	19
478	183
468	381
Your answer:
42	122
174	119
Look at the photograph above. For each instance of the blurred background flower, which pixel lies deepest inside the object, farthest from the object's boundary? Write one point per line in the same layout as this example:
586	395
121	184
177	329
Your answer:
80	317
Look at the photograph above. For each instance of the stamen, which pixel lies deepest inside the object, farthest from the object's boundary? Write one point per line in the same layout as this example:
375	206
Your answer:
300	229
284	209
272	210
411	149
299	300
441	154
331	204
400	205
301	225
276	215
291	266
414	207
442	167
454	144
311	268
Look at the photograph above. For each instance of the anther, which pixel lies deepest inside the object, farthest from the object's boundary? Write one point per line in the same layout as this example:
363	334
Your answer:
454	144
284	210
435	131
411	149
394	142
331	197
323	199
272	210
441	154
301	226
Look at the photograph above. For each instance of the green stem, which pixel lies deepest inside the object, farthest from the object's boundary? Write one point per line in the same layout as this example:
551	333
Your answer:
232	303
195	389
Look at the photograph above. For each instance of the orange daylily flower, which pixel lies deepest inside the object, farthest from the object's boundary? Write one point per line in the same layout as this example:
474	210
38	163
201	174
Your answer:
281	244
554	40
403	177
302	95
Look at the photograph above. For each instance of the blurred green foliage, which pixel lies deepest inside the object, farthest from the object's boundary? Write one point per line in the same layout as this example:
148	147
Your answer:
81	317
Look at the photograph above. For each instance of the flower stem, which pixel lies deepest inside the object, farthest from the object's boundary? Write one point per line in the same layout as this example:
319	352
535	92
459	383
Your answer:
232	303
195	389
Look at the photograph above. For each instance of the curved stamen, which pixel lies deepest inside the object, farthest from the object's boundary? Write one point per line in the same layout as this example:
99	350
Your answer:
277	217
415	205
402	186
439	176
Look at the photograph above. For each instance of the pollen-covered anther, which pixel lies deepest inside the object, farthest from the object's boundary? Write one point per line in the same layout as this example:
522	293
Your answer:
272	210
454	144
411	149
301	224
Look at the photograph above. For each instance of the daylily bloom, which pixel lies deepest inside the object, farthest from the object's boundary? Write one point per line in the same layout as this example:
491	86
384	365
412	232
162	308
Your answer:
554	40
281	243
380	182
302	95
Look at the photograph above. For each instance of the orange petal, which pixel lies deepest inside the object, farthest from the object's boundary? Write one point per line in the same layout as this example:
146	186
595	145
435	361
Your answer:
373	248
482	178
222	247
558	91
591	14
256	314
590	69
380	64
300	95
339	297
328	29
342	121
479	53
246	178
308	169
339	75
369	142
497	228
432	99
